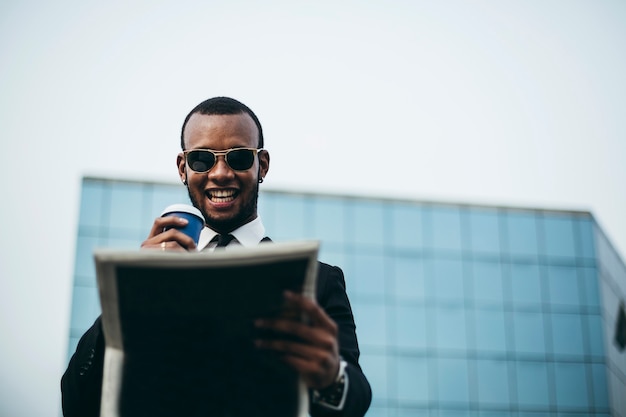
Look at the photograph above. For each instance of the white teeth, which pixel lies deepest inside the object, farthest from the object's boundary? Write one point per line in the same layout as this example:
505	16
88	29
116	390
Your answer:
221	196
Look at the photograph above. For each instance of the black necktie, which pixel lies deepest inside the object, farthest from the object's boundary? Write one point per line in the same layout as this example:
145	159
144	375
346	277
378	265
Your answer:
223	240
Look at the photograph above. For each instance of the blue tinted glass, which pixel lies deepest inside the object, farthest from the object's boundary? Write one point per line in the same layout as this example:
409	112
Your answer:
444	279
124	243
329	220
571	385
267	213
595	335
409	412
369	273
525	284
590	287
490	330
521	231
450	328
484	231
410	325
371	324
487	283
563	286
127	208
290	215
585	233
600	389
412	380
84	269
92	200
368	222
407	226
493	382
408	278
445	224
452	381
532	384
567	338
162	196
85	307
375	367
559	236
529	332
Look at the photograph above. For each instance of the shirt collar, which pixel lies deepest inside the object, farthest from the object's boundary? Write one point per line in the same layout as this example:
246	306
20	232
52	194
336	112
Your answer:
250	234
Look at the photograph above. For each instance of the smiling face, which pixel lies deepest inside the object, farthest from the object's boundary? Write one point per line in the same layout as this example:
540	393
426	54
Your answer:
227	198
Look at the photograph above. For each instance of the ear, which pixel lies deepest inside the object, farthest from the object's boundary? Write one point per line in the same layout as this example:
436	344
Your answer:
180	163
264	163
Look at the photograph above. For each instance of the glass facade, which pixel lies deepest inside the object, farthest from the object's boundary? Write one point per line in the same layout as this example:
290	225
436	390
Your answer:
461	310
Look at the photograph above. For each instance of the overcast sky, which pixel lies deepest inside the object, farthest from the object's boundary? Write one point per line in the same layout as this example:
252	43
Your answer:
514	103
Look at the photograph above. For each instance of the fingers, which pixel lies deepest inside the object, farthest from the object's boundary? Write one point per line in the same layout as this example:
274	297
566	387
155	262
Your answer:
171	239
315	314
310	348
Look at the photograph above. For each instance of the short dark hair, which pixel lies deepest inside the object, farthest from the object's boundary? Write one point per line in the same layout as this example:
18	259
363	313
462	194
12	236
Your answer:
221	106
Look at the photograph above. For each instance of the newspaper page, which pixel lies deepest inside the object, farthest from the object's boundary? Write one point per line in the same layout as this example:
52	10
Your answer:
179	330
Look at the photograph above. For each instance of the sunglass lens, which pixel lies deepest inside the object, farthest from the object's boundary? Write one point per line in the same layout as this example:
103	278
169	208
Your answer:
240	159
200	161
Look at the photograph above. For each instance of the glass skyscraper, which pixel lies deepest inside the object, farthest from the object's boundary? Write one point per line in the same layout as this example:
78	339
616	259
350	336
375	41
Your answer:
461	310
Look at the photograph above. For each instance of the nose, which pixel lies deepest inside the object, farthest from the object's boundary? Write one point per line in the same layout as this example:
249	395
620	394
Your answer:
221	170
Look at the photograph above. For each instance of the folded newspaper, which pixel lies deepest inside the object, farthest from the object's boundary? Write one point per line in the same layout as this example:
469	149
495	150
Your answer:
179	330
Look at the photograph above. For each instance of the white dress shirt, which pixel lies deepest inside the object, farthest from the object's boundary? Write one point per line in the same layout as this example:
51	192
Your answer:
250	234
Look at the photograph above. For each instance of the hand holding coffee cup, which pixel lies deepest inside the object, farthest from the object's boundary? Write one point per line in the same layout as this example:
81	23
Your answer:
195	221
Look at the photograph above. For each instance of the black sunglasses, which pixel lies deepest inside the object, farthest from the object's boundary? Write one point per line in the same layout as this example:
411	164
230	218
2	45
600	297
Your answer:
202	160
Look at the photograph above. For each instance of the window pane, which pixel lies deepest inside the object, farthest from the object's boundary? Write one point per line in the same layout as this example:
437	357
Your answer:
369	275
162	196
585	231
92	201
522	234
532	384
84	270
126	209
590	287
289	211
370	323
525	284
484	231
571	385
563	286
329	220
529	332
368	223
446	227
410	324
452	383
559	236
493	382
407	226
445	280
487	283
595	335
85	308
490	330
450	328
412	380
567	338
408	278
375	367
600	389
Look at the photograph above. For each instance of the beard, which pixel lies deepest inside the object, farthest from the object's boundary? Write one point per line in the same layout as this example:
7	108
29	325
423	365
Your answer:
246	214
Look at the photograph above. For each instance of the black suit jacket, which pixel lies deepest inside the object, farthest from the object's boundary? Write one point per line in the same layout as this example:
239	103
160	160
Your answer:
81	383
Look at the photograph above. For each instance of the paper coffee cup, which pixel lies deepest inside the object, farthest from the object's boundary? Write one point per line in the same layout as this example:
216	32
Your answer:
193	216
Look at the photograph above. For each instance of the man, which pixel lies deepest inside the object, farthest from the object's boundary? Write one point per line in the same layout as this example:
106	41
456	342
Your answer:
222	163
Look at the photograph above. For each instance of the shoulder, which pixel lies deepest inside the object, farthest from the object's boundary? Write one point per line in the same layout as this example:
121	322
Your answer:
330	281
